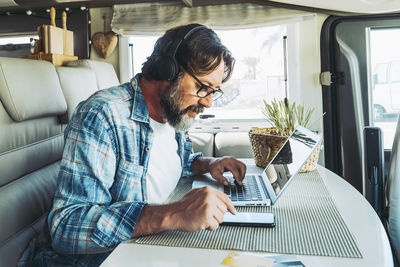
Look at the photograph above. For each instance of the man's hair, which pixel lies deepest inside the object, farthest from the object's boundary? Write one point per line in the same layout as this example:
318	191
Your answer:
199	54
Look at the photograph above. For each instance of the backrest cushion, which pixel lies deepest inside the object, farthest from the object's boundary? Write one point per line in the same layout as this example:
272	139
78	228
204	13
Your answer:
203	142
104	71
235	144
77	85
26	88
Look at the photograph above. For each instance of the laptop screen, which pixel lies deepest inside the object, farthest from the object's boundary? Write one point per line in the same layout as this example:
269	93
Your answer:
289	160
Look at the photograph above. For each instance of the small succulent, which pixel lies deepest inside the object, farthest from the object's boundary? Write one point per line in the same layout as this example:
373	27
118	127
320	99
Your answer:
285	117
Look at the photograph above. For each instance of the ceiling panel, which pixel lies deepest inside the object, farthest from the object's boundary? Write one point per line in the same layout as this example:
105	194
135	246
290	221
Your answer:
6	3
353	6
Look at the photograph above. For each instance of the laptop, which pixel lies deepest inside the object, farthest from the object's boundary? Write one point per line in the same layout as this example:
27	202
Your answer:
263	189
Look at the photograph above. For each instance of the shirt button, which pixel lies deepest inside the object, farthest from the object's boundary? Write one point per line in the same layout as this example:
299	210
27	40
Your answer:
147	149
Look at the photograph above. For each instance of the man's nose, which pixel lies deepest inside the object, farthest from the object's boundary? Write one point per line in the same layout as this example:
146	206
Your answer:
206	101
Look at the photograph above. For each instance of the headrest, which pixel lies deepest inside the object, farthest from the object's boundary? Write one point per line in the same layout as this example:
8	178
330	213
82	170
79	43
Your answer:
30	89
105	73
77	85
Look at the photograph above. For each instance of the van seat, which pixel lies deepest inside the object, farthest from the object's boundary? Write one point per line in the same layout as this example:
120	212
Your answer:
236	144
30	149
105	73
36	101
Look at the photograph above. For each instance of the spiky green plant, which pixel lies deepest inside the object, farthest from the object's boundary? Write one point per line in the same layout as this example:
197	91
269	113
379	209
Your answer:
285	118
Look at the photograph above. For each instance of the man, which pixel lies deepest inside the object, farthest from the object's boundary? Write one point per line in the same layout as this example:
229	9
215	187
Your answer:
125	151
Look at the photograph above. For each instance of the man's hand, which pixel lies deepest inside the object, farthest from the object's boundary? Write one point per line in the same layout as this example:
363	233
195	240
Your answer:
217	167
221	165
201	208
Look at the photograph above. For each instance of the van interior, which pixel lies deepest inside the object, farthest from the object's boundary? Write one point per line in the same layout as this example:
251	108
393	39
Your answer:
339	58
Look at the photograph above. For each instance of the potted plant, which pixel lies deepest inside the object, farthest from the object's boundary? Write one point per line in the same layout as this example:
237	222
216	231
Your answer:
283	117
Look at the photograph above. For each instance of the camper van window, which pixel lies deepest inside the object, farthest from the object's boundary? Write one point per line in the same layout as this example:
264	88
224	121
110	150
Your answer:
258	72
26	39
17	46
385	66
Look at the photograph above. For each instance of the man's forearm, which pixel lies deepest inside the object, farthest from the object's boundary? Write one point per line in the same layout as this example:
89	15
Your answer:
201	208
154	219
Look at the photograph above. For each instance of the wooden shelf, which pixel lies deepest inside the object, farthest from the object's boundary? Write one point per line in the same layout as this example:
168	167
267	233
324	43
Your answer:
56	59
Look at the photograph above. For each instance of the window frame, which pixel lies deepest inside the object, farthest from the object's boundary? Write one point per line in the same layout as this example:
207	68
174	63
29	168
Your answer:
211	124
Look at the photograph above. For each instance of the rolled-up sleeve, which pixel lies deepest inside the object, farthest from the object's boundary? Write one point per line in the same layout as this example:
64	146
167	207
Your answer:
187	154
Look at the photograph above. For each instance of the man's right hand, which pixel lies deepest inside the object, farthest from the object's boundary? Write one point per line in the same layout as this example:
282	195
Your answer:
201	208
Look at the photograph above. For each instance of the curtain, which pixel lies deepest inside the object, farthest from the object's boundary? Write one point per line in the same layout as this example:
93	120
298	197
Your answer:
156	18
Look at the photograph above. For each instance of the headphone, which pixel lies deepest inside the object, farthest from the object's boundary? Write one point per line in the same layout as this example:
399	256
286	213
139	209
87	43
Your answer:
164	66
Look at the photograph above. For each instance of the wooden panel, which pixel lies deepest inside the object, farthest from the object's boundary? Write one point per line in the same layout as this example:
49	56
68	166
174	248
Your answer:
56	37
56	59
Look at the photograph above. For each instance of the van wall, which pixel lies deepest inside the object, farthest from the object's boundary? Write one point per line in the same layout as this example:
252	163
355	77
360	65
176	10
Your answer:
304	68
97	25
304	82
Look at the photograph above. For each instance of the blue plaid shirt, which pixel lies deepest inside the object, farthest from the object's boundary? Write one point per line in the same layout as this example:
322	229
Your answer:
101	186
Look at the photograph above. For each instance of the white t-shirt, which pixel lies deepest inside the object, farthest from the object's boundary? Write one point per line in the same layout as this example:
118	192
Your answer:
165	167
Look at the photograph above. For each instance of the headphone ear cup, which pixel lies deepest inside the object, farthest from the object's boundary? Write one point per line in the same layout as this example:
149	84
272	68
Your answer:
173	69
164	68
160	68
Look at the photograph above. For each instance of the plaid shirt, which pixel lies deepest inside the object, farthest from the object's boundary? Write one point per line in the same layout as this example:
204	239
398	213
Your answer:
101	186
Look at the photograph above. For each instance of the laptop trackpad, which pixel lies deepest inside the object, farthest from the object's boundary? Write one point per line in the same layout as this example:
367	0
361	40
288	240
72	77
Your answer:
203	180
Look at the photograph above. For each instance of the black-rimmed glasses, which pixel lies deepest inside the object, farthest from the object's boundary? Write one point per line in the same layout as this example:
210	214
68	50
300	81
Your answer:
206	90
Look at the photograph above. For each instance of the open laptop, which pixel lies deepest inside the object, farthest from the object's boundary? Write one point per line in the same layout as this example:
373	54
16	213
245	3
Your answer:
263	189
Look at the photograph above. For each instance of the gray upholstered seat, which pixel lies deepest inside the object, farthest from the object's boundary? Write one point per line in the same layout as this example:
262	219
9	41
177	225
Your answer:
30	149
36	102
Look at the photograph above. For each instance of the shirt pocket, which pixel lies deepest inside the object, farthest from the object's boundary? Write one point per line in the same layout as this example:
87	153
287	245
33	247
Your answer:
128	185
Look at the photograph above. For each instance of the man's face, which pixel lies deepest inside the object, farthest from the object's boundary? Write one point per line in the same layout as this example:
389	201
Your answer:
180	101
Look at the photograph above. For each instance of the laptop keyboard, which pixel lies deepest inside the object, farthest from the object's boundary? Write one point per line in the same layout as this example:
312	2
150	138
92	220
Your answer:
249	191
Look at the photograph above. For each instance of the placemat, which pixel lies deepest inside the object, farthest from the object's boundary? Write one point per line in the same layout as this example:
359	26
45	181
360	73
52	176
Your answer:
307	222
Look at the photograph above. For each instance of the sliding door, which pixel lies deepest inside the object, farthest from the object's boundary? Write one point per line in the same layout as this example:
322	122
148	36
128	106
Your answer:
360	60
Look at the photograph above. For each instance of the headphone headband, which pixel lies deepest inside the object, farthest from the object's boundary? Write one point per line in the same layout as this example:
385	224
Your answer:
190	32
164	66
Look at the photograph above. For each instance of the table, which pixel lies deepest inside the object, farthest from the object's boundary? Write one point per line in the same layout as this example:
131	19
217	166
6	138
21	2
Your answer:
358	214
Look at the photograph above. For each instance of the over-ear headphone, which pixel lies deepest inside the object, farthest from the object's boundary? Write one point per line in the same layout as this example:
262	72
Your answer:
164	66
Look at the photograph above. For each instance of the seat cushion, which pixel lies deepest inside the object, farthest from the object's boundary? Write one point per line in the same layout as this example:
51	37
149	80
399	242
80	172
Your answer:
24	205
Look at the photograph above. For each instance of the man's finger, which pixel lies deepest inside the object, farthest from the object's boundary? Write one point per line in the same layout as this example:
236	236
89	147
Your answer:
222	208
213	225
228	203
235	170
219	217
220	178
242	169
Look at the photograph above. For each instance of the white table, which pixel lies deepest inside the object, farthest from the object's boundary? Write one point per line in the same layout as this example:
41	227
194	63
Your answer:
358	214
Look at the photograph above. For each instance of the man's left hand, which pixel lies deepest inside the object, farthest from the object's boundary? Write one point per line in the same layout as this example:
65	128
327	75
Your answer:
231	164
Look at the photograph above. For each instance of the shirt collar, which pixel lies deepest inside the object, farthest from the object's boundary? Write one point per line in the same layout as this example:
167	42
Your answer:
140	111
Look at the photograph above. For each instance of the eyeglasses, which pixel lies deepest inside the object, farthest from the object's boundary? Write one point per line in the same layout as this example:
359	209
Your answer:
206	90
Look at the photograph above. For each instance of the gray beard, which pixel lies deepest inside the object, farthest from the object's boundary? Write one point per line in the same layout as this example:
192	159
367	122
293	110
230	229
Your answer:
171	101
184	124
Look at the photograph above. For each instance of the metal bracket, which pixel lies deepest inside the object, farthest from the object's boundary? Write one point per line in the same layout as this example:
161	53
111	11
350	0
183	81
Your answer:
327	78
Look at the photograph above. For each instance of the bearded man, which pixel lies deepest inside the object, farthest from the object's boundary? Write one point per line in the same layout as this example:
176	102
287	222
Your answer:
126	148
